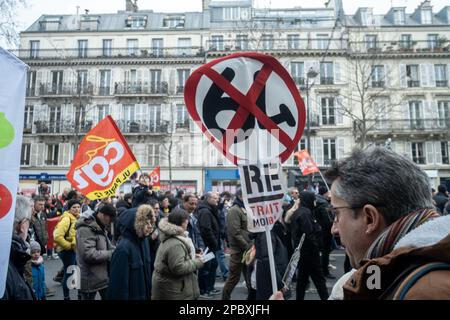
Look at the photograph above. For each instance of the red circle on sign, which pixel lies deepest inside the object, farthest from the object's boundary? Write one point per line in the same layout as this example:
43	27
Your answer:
246	107
5	201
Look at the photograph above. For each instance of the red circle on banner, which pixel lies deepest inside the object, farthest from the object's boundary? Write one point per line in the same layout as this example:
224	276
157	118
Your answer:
247	105
5	201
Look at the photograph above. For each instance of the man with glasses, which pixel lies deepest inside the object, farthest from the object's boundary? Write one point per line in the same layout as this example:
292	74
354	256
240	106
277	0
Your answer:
387	223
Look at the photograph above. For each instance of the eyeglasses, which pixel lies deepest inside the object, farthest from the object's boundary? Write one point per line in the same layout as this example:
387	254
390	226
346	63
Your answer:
334	211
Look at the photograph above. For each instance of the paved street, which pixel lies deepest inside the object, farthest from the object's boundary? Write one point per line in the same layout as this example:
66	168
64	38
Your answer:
239	293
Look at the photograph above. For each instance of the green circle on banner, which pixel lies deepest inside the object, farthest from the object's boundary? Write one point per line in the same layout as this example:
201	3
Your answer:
6	131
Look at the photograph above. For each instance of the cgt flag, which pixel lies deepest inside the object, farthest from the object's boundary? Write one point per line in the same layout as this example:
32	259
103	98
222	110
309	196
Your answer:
155	178
306	163
12	105
103	161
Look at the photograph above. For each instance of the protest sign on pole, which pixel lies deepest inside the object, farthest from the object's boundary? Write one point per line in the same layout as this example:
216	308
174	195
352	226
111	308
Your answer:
12	108
292	266
307	165
155	178
103	161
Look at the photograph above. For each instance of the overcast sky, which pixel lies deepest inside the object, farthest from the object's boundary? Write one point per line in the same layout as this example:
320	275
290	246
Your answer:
38	7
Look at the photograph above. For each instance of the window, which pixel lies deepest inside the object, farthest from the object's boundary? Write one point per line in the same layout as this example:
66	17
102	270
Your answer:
132	45
104	110
426	16
267	41
131	81
328	111
412	74
399	17
417	152
233	13
183	75
105	82
371	42
378	77
184	46
323	41
443	114
25	154
82	48
153	154
329	151
82	81
136	22
366	17
441	75
432	41
34	49
31	84
28	119
405	41
107	47
80	118
173	22
241	42
293	41
129	117
155	81
55	119
301	146
57	82
326	73
155	119
415	115
444	152
216	43
182	117
298	72
157	47
52	155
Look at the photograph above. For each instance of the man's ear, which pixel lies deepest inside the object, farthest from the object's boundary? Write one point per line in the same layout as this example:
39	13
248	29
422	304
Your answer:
374	219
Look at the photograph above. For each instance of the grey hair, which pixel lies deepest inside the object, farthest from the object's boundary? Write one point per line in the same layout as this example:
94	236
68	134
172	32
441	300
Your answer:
378	176
293	189
209	194
23	209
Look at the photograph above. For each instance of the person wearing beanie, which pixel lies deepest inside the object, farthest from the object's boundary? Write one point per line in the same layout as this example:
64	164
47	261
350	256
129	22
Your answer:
94	251
64	235
37	267
16	287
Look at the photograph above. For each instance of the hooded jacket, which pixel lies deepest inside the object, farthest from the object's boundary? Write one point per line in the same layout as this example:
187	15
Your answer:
94	251
16	287
427	243
130	275
174	276
238	235
209	225
64	233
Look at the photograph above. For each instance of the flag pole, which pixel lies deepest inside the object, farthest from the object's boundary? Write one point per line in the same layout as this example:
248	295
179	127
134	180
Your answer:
326	184
271	261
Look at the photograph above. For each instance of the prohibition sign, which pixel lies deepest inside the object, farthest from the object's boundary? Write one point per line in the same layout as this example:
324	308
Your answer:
248	107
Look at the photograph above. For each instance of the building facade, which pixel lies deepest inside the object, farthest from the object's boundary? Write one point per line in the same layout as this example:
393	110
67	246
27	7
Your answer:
366	79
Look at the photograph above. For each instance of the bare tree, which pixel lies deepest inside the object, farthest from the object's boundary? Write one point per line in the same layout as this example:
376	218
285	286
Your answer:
8	25
167	140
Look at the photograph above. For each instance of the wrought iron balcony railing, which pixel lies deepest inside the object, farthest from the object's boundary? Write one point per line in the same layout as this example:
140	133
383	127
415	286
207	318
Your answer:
408	125
65	89
140	87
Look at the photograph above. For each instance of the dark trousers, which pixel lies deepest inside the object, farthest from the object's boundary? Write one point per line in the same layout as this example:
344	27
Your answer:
309	266
68	259
234	275
207	276
325	257
91	295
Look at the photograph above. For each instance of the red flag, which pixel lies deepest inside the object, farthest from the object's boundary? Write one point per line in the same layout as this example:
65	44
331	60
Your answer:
155	177
306	163
103	161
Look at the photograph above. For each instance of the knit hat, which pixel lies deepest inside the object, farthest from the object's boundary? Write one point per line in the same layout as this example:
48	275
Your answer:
35	246
108	209
72	202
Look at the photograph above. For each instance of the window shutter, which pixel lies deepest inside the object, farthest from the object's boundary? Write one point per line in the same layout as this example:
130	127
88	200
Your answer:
429	152
438	152
403	83
341	148
64	154
448	75
339	115
40	154
388	76
319	151
408	150
431	75
337	73
423	75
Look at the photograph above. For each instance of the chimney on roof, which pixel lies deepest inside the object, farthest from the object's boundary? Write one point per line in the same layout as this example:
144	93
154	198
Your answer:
86	11
205	4
130	6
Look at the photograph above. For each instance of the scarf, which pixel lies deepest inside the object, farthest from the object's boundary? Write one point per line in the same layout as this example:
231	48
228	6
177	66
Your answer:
38	262
387	240
188	243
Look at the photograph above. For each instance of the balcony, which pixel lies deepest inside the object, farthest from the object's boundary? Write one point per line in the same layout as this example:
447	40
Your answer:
180	89
413	83
378	84
441	83
398	47
326	80
61	127
141	127
409	126
140	88
419	160
64	89
183	125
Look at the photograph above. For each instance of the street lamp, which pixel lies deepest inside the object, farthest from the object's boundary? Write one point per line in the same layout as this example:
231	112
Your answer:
310	74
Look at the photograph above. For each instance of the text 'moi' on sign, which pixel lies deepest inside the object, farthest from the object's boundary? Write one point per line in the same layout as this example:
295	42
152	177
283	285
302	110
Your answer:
247	105
263	193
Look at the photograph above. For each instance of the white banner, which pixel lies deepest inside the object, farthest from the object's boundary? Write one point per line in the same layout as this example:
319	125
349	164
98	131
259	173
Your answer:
12	107
263	193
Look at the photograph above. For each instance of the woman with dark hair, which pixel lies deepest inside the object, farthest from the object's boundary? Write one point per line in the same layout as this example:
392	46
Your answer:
174	277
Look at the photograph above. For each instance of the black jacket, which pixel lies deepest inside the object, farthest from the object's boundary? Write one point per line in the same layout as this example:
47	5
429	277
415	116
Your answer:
321	213
209	225
142	195
130	277
440	199
17	288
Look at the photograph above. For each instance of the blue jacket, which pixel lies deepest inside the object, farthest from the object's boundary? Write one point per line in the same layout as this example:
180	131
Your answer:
130	275
39	280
